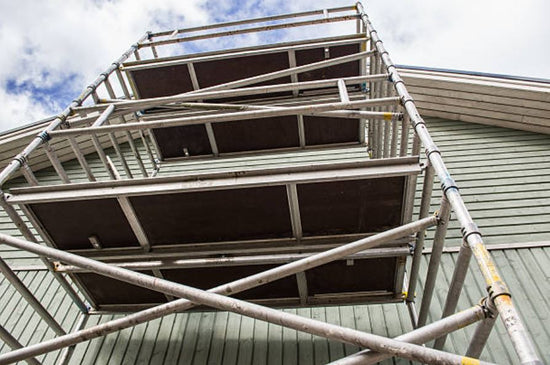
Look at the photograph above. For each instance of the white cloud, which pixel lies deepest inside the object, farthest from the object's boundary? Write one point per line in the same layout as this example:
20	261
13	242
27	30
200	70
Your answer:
45	42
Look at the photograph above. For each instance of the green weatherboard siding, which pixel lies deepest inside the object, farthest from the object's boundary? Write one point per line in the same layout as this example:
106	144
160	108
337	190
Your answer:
505	181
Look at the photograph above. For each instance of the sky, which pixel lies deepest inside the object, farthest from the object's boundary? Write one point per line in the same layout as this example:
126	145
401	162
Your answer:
50	50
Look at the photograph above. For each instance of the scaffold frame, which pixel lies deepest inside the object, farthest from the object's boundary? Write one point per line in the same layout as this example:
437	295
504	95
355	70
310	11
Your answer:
389	127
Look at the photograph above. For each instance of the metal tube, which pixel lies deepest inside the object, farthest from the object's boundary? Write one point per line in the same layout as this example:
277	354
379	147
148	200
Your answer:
393	151
420	335
16	163
335	113
29	236
457	282
264	28
231	260
121	157
244	284
285	72
52	156
403	145
172	33
482	332
333	332
228	117
30	298
80	157
14	344
101	154
135	105
68	351
435	260
128	135
419	244
497	289
29	175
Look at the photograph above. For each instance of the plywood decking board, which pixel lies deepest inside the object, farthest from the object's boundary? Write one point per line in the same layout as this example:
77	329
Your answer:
248	135
213	216
70	223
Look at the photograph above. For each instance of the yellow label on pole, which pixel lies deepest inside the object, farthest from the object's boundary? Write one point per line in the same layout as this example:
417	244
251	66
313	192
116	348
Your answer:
387	116
469	361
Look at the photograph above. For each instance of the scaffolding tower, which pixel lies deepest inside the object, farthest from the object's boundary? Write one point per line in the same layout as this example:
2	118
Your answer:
146	234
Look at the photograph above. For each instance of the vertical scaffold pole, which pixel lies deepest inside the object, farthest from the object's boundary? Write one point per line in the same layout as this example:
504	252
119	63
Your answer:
497	289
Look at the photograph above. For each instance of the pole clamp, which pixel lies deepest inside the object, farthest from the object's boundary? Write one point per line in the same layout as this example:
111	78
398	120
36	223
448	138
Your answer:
489	309
497	289
469	229
395	78
44	136
21	159
448	183
432	148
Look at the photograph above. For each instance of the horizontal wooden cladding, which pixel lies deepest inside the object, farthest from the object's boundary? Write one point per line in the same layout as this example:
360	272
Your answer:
513	104
39	160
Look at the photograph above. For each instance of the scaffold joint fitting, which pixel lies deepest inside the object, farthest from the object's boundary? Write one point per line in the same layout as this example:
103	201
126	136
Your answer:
497	289
448	183
44	136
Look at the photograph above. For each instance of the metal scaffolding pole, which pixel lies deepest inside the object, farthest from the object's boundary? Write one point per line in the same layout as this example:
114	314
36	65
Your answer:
235	286
420	335
457	282
333	332
228	117
497	289
435	261
482	332
30	298
419	244
14	344
127	106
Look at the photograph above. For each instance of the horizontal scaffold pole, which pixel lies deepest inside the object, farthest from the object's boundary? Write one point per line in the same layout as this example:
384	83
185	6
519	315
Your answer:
263	28
497	289
377	343
228	117
126	106
253	20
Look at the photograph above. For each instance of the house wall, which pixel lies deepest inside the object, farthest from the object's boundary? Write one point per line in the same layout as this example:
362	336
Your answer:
504	178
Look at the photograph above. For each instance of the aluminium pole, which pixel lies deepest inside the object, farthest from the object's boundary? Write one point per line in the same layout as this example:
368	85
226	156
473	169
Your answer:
457	283
228	117
427	188
285	319
420	335
30	298
14	344
127	106
435	261
482	331
497	289
233	287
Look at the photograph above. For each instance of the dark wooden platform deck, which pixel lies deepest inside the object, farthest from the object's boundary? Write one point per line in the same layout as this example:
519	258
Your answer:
256	134
281	209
